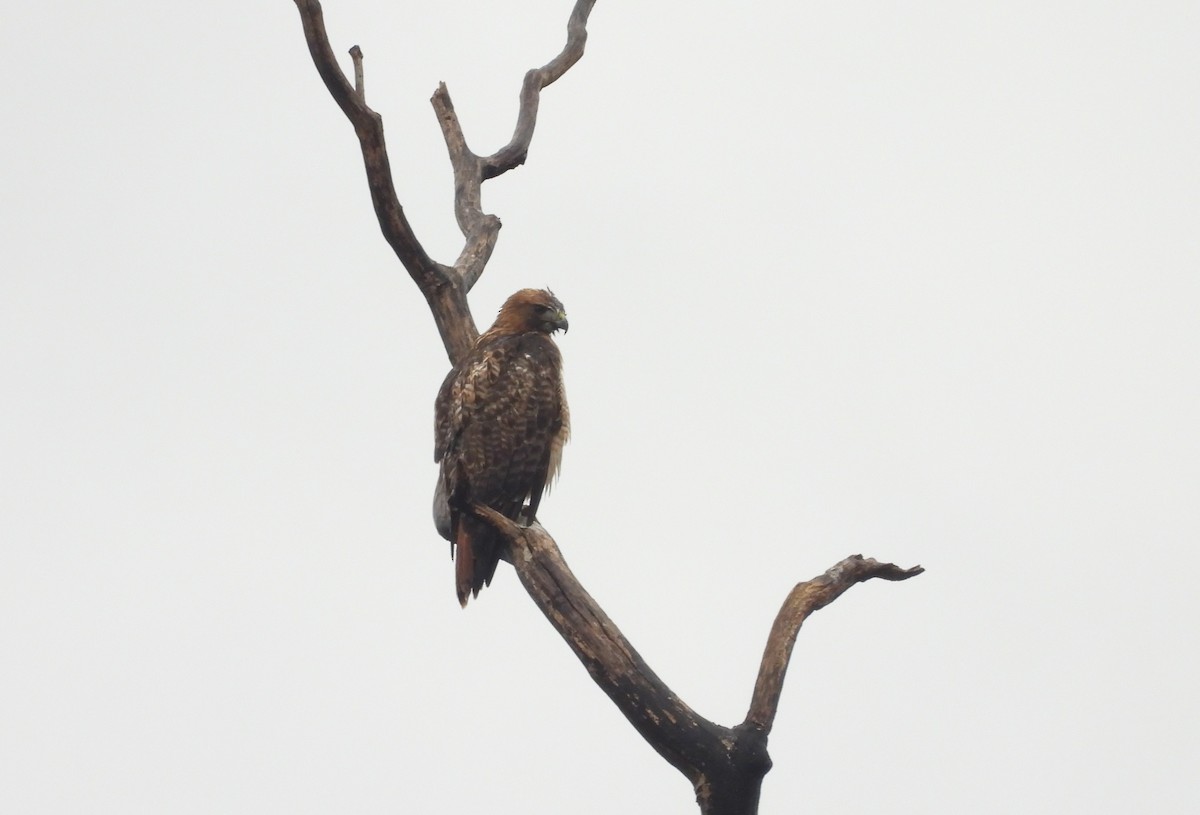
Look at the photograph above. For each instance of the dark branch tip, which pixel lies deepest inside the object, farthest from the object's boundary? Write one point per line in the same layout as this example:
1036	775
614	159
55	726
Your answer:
360	87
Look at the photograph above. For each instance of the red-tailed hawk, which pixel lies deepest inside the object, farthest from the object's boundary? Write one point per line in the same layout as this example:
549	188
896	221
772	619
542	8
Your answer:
501	421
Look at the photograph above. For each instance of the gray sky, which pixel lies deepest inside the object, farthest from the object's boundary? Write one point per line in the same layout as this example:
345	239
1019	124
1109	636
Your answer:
914	281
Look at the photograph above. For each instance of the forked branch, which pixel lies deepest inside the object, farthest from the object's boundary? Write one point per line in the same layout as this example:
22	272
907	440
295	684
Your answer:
444	287
430	276
726	765
471	170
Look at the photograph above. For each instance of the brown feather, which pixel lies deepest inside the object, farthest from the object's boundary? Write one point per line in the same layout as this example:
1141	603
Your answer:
464	568
501	421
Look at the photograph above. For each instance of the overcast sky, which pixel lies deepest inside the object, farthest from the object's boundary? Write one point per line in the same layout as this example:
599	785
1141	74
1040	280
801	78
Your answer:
920	281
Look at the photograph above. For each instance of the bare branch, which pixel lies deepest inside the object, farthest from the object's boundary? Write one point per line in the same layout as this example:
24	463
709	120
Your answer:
470	171
479	228
359	85
444	288
368	126
725	765
678	733
803	600
514	153
440	285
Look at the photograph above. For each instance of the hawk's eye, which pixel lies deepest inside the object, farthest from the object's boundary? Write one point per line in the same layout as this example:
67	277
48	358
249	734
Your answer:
542	309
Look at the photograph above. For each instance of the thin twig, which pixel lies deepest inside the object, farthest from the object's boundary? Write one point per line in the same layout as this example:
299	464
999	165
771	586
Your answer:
359	88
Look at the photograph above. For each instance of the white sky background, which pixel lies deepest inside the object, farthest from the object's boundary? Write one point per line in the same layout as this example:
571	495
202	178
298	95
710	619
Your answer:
916	281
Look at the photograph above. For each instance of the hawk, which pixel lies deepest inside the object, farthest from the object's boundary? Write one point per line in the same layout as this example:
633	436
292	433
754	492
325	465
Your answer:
500	423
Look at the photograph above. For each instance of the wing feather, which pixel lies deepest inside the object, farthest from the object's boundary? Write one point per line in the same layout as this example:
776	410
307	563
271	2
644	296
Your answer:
501	420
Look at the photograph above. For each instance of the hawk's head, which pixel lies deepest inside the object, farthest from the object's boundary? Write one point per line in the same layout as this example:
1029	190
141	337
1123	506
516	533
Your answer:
532	310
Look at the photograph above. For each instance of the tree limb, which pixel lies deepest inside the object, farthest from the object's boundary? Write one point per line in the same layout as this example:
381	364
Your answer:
445	288
677	732
515	152
470	171
441	286
803	600
725	765
478	228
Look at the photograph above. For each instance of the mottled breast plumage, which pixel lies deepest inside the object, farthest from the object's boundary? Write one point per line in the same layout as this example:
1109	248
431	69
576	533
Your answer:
501	421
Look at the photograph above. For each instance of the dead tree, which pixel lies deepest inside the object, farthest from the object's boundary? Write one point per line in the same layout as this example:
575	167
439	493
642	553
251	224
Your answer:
726	765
